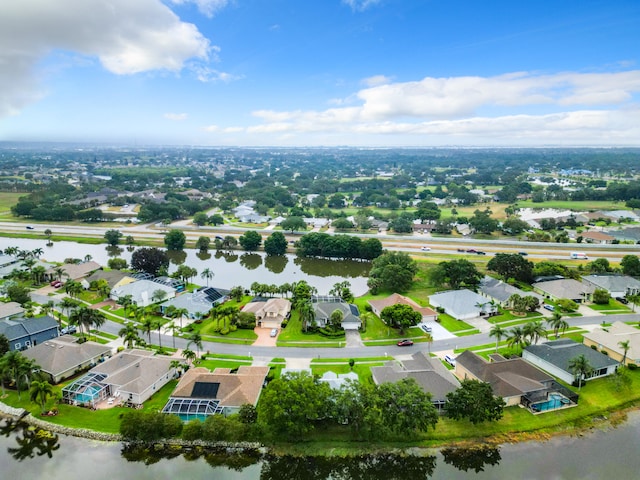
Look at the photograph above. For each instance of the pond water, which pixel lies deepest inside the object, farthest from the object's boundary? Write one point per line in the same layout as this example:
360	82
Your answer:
237	268
601	454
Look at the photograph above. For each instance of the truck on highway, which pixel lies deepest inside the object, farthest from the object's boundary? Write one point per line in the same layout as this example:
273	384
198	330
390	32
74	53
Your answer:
578	256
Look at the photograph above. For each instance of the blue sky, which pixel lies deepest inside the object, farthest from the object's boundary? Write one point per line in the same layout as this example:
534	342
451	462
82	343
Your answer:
321	72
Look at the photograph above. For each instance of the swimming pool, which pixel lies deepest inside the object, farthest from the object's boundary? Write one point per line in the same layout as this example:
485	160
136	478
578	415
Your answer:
89	394
554	400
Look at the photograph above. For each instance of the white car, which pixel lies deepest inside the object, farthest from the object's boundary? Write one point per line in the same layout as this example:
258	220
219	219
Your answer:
274	332
425	249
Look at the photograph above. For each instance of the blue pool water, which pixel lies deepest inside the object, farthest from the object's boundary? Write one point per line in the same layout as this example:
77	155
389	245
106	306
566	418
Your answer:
90	394
555	401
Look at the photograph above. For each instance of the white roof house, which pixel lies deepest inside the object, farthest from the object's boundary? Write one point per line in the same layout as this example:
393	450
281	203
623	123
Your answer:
142	292
462	304
616	285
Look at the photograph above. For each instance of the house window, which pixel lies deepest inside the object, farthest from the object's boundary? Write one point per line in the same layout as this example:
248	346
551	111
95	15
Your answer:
27	343
17	346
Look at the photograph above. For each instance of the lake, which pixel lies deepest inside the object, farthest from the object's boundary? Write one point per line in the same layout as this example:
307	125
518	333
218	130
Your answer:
230	269
598	455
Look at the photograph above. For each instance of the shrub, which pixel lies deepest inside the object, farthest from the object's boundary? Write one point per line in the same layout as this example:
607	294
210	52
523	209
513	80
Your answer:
172	426
120	348
192	430
224	331
632	366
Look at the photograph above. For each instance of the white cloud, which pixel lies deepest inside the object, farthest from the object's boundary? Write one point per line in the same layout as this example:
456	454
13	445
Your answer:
178	117
577	108
127	37
376	80
206	7
360	5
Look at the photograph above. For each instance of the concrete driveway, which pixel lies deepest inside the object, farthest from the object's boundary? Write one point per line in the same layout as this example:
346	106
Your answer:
264	337
438	332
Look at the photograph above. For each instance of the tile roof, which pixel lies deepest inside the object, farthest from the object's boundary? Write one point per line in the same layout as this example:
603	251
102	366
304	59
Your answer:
396	298
59	355
560	352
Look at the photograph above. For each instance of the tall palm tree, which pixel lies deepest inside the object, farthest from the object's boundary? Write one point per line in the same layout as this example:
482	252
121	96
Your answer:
126	301
40	392
157	325
581	368
516	337
129	334
196	339
180	313
189	355
624	345
73	288
67	304
19	368
38	273
48	234
498	332
534	331
147	325
558	324
207	274
173	328
307	315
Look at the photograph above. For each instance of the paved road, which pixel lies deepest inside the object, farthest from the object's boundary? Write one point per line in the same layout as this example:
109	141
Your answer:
361	351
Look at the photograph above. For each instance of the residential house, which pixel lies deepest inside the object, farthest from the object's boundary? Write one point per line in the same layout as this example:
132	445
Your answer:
378	305
608	341
500	292
463	304
8	263
323	307
337	380
597	237
24	333
423	227
316	222
9	310
554	357
270	313
616	285
428	372
564	288
515	380
114	278
142	292
198	304
74	271
131	377
201	393
63	357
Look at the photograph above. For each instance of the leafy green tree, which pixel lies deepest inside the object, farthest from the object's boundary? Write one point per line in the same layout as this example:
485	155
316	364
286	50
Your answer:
250	240
19	294
117	264
275	244
482	222
601	296
4	344
175	239
150	260
341	224
393	271
516	337
203	243
630	265
400	316
196	339
200	219
456	274
599	265
113	237
293	224
474	401
401	225
514	226
567	305
291	405
216	219
370	249
511	265
581	369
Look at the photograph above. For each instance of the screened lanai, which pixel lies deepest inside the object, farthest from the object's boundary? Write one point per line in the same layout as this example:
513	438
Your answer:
86	391
192	408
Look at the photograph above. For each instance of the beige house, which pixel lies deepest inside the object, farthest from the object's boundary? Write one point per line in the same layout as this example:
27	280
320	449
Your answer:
201	393
378	305
597	237
63	357
74	271
269	314
608	341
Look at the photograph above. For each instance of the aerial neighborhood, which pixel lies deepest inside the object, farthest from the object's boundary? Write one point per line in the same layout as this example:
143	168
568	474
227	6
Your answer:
471	302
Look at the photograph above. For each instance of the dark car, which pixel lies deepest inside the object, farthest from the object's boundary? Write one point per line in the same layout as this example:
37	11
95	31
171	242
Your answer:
622	300
472	250
480	252
461	249
524	254
405	343
29	227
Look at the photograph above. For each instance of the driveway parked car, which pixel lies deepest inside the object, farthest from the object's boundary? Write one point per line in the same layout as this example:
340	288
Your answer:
68	330
551	308
405	343
622	300
274	332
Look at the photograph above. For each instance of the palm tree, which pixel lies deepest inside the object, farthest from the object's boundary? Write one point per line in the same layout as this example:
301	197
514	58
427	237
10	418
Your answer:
59	271
37	252
147	325
180	313
196	339
129	334
157	324
38	273
173	328
177	364
48	233
73	288
307	315
189	355
581	368
516	337
40	393
498	332
68	304
19	367
558	324
534	330
624	345
207	274
159	295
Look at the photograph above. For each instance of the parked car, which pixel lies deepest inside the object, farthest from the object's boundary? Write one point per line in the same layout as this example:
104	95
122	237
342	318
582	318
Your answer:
274	332
56	284
425	249
68	330
622	300
426	328
551	308
405	343
450	359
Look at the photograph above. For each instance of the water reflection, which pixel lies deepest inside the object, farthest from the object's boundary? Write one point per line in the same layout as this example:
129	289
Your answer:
474	458
250	261
323	267
276	263
114	251
203	255
177	257
226	256
31	441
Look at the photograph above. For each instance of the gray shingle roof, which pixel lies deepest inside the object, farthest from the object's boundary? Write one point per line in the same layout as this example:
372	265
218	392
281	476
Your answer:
560	352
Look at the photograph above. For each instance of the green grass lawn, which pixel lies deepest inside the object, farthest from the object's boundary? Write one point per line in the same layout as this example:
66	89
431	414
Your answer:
612	307
573	205
453	325
293	335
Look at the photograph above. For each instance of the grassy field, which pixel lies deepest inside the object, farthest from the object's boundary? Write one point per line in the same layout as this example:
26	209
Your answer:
293	335
574	205
8	200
